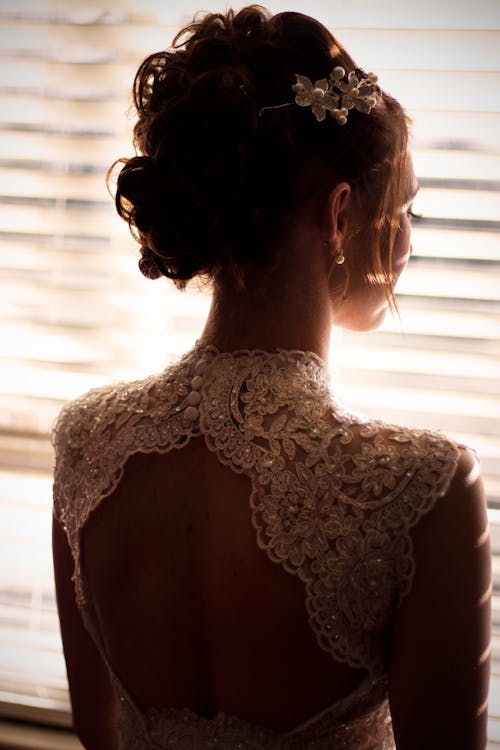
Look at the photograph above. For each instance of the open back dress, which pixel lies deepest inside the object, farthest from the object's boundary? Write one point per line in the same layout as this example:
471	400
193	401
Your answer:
333	499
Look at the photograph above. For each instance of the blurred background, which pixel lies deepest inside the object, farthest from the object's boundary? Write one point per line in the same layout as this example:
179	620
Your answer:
75	312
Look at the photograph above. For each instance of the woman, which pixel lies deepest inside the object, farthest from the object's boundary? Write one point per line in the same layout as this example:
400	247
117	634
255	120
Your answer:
253	566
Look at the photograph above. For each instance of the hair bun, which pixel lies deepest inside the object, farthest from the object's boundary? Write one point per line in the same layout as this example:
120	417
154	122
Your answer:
148	265
138	190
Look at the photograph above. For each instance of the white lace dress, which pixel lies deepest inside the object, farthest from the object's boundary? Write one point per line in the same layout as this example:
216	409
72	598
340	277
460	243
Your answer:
333	499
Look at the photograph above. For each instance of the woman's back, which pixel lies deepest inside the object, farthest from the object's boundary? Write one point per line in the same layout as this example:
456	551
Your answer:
181	523
188	611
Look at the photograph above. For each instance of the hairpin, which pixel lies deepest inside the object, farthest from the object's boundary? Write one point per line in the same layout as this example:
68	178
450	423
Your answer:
336	95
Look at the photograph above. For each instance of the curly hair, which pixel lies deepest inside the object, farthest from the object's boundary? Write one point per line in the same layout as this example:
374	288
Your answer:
216	174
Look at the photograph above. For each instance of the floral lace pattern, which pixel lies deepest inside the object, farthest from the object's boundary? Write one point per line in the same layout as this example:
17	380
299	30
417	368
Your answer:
333	499
360	722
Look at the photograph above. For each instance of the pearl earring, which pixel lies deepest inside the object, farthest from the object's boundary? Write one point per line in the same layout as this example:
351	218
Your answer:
339	258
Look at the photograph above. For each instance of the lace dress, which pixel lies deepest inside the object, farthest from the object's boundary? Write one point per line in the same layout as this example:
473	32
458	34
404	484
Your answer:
333	499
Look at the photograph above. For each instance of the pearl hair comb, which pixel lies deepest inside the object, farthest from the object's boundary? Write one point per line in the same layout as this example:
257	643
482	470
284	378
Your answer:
336	95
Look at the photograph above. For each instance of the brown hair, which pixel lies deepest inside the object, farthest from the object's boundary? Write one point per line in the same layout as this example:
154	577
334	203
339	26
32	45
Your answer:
217	173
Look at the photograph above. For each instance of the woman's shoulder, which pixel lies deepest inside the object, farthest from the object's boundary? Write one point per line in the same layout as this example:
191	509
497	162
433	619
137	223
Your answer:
96	409
458	486
441	495
398	473
105	409
96	433
425	453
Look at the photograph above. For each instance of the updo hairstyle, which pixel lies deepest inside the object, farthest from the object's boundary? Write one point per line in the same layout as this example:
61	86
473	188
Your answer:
217	175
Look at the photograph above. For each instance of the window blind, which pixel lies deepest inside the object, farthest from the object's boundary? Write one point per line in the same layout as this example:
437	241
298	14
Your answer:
75	312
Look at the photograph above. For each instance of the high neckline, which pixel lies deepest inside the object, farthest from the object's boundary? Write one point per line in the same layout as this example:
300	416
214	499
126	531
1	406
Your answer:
278	351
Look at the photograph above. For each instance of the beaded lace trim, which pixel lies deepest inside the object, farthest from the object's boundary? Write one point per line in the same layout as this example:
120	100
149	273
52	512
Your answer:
333	498
337	518
360	722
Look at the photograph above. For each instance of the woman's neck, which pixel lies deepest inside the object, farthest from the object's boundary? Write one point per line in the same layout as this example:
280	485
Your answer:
291	311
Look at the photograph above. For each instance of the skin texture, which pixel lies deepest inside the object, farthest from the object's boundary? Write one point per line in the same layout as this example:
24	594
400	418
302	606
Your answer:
231	612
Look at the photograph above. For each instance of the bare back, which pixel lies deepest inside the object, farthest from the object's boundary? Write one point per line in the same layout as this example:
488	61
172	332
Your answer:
250	549
217	623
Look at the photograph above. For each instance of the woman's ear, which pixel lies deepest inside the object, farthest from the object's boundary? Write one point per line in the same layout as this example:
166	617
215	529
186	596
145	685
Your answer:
338	205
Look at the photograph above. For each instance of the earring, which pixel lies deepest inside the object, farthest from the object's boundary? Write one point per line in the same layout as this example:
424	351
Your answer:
346	285
339	258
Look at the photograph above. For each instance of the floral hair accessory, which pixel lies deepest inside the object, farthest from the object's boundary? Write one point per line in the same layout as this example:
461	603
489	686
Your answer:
337	95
